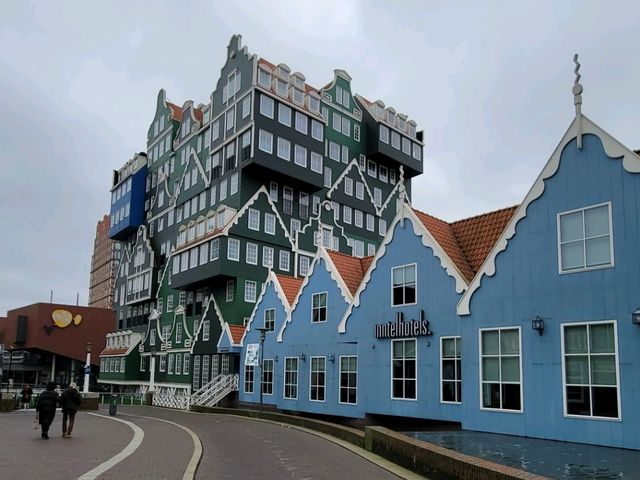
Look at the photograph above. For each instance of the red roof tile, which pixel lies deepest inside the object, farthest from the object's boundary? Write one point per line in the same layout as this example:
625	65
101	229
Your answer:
477	235
198	114
237	331
351	269
176	111
113	351
290	286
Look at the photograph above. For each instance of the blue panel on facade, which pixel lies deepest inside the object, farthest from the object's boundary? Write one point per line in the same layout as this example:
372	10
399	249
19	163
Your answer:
127	205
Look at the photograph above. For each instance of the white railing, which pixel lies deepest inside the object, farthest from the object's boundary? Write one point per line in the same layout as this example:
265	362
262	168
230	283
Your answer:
216	390
171	400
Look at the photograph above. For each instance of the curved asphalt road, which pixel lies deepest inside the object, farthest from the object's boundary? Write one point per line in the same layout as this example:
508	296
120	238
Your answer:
232	448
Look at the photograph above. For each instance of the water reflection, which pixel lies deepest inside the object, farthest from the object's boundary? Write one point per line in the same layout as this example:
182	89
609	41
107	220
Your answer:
559	460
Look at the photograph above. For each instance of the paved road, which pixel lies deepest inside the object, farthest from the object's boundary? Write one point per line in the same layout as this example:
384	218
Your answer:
163	444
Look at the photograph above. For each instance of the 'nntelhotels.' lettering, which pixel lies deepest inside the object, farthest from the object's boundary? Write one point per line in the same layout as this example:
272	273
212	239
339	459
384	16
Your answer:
400	328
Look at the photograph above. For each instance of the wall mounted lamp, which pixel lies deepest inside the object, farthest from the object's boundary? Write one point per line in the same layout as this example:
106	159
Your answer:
538	324
332	357
302	356
635	317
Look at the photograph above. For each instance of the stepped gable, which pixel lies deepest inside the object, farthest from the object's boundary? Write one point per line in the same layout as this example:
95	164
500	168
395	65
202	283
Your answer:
176	111
351	269
236	331
445	236
290	286
477	235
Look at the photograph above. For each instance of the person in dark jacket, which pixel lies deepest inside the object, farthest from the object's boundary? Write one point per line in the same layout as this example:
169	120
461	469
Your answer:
46	408
26	396
70	400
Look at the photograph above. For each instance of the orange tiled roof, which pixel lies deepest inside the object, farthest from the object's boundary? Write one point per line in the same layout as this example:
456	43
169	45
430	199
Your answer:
176	111
198	114
236	332
290	286
113	351
351	269
477	235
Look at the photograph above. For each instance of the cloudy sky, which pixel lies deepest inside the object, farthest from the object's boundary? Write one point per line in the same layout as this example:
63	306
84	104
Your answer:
488	82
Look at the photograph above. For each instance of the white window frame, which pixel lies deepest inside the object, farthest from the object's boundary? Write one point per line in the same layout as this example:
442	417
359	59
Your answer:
264	383
269	219
250	287
611	264
264	135
267	106
320	308
340	386
236	256
415	265
457	374
318	385
251	253
286	384
403	378
253	220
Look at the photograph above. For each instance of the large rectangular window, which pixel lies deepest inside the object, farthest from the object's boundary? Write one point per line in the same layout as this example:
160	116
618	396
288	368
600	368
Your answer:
403	369
319	307
349	380
500	368
451	369
584	239
403	285
590	370
196	372
248	379
270	319
291	377
317	383
267	377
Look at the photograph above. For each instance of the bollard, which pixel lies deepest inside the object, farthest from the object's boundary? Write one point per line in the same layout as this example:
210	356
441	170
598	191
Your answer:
113	406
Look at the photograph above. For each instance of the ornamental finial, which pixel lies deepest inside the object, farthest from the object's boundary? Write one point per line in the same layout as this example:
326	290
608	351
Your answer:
577	99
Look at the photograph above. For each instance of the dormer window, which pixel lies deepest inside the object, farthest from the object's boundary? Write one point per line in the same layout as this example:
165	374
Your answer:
282	87
412	128
298	96
402	123
298	81
314	104
200	231
264	78
391	117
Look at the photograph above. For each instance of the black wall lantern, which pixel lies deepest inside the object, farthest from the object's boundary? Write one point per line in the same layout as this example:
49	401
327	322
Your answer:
538	324
635	317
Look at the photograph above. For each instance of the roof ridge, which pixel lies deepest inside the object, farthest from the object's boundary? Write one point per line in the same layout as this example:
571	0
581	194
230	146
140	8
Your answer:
484	214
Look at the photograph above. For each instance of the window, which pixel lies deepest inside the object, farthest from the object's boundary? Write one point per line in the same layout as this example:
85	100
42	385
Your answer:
163	363
304	265
252	253
371	222
233	252
267	377
403	369
450	370
284	114
403	285
348	186
233	184
270	223
395	140
250	291
300	156
377	196
248	379
392	177
246	106
406	146
346	127
314	104
302	123
215	249
417	152
334	151
229	291
500	369
206	359
346	214
356	133
171	363
265	141
196	372
204	253
590	370
264	78
337	122
287	200
327	177
345	154
384	134
372	168
270	319
230	118
319	307
359	190
291	377
358	218
186	358
317	130
316	162
254	219
267	257
349	380
382	227
294	227
266	106
284	260
318	379
584	238
284	149
281	87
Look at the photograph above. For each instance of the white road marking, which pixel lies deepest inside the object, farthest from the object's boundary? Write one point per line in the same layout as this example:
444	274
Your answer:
190	470
138	435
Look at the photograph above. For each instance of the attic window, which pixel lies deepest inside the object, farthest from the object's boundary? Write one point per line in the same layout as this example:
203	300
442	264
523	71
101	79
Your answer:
314	104
264	78
282	87
298	96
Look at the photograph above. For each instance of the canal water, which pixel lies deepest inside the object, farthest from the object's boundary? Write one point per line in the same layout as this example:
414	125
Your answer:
558	460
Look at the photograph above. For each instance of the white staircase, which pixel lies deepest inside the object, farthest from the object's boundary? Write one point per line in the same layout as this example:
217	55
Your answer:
214	391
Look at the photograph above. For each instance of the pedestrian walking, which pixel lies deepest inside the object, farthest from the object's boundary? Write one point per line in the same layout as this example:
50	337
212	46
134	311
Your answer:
70	400
25	396
46	408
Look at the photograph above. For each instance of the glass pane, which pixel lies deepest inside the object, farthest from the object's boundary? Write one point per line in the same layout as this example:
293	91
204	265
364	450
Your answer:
571	226
509	343
578	401
410	294
458	347
490	343
598	251
410	369
448	370
601	338
596	221
397	369
448	391
491	395
572	255
398	298
410	274
510	369
410	349
398	350
575	339
490	369
511	397
448	347
353	364
398	391
603	370
577	369
605	402
397	276
410	389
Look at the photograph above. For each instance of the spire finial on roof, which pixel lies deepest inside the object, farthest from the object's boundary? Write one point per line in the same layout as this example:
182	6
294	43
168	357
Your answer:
577	99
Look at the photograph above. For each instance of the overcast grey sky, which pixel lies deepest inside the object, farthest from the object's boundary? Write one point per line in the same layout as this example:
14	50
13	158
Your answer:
488	82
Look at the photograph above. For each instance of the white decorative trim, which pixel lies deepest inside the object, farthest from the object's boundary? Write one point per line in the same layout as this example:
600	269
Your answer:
612	148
